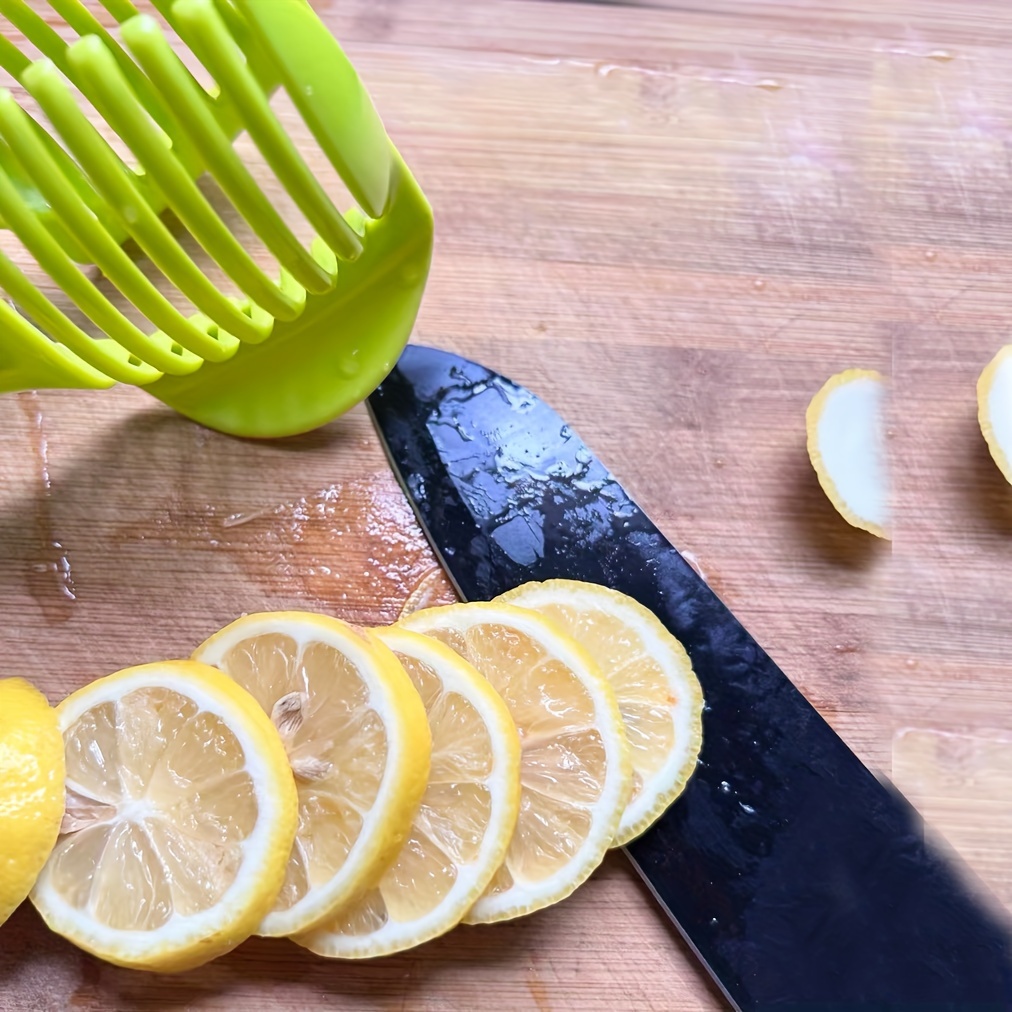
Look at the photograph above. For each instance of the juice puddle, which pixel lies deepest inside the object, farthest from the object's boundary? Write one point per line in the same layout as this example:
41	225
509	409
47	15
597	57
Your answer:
352	549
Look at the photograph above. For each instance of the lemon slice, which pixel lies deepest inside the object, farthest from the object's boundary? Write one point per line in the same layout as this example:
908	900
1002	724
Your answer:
994	408
575	774
466	819
658	694
846	447
358	742
31	789
180	817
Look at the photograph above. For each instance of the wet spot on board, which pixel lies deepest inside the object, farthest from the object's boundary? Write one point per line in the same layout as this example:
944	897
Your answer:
352	549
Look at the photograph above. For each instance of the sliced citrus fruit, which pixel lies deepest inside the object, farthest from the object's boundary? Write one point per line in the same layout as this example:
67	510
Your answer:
466	820
358	742
180	815
994	408
575	773
846	447
31	788
658	694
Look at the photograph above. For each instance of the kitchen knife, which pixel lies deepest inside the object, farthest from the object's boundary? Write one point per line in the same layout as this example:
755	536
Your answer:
798	878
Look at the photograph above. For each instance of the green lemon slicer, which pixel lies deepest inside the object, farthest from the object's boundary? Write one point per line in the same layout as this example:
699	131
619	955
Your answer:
279	355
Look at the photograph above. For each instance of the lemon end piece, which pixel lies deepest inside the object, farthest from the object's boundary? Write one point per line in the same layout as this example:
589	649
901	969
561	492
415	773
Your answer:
994	409
845	444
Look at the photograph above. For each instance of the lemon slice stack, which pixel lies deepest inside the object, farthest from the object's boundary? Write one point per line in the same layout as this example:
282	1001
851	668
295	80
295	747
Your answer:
360	791
465	821
575	773
649	671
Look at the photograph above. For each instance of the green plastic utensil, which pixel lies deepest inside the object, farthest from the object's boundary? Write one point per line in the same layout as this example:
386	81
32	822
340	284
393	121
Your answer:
289	353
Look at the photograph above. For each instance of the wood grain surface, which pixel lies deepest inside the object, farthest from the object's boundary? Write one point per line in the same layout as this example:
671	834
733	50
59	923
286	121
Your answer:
673	222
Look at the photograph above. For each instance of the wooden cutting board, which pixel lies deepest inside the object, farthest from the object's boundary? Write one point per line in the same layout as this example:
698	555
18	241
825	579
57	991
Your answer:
674	225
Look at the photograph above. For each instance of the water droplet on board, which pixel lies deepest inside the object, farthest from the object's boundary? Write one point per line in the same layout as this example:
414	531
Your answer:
51	581
930	254
725	787
238	519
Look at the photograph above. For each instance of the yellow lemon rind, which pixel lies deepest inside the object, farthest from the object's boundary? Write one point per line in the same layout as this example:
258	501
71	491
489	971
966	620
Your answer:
32	774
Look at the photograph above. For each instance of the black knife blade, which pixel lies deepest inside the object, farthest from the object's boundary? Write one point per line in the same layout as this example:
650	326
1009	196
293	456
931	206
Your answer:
799	878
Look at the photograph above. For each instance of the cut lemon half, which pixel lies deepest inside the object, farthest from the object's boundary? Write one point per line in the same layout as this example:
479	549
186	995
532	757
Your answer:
31	789
575	773
994	409
466	820
180	817
846	447
658	694
358	742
